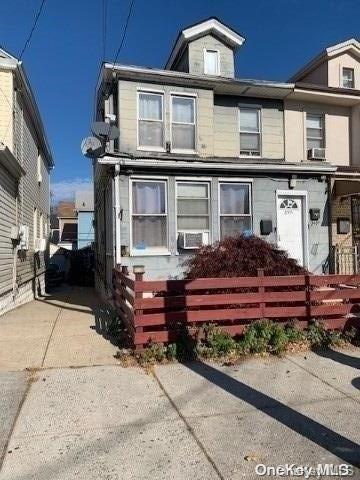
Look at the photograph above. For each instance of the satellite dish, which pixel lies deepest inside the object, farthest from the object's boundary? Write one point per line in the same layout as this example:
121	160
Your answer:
105	130
91	147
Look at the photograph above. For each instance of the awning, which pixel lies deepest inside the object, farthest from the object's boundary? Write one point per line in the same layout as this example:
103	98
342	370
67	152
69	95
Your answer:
10	163
347	187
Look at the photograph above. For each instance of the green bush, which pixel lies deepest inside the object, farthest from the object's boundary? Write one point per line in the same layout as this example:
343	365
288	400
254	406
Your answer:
263	336
316	334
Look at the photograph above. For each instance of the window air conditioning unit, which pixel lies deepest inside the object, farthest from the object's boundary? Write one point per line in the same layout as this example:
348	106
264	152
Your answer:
24	237
193	240
40	244
316	154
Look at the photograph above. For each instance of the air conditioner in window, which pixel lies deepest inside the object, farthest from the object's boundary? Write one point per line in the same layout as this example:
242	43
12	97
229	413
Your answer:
192	240
40	244
24	237
316	154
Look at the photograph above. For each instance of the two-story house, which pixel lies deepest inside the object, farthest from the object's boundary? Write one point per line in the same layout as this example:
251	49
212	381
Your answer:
25	164
202	155
323	113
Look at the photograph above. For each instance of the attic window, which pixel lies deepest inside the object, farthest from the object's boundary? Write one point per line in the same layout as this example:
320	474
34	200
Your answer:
348	78
211	62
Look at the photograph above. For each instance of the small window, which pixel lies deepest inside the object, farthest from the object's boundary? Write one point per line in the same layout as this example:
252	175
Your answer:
183	123
151	120
149	215
348	78
250	131
235	209
39	163
211	62
193	207
315	134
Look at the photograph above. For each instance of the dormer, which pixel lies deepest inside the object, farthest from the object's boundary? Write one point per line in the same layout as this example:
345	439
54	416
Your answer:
206	48
337	66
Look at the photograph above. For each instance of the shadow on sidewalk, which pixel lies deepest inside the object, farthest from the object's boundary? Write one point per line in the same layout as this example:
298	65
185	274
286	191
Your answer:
84	300
310	429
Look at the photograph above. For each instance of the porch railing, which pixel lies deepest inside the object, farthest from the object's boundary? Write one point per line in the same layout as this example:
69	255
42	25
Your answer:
346	260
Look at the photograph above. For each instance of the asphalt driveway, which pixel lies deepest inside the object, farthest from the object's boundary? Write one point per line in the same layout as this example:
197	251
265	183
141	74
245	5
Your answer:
197	421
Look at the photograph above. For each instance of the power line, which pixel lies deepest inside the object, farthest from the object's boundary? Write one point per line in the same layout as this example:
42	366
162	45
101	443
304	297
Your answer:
124	33
104	29
32	29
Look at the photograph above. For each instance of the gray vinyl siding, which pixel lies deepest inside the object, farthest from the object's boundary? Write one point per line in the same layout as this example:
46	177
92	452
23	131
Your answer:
263	208
32	194
226	126
196	55
7	220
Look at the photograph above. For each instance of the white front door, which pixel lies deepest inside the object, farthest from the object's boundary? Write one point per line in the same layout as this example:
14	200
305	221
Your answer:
290	225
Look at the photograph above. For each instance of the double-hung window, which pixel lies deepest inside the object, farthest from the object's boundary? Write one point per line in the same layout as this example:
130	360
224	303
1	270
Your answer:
250	131
193	208
183	123
151	120
149	215
211	62
315	132
235	208
348	79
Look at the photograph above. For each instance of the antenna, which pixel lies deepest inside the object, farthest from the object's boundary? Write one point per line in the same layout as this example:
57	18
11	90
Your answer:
91	147
105	131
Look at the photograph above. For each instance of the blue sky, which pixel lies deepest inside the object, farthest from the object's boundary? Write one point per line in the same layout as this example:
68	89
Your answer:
64	56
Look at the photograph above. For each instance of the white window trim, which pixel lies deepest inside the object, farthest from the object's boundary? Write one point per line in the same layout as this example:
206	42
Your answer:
186	95
151	251
258	108
323	129
195	180
217	61
342	68
150	92
35	226
249	184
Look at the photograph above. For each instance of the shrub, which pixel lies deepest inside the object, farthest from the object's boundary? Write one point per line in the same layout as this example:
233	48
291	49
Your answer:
316	334
240	256
217	343
264	336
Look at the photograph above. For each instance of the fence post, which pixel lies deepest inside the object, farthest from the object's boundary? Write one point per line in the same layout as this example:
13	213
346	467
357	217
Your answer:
139	271
308	298
261	290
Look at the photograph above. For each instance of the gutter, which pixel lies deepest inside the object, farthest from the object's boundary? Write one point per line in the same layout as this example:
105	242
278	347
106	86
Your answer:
204	165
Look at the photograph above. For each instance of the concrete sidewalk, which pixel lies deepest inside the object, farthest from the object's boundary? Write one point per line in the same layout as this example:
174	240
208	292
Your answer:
199	421
61	330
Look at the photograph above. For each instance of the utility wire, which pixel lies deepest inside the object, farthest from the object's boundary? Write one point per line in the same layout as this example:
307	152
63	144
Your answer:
104	28
28	40
124	33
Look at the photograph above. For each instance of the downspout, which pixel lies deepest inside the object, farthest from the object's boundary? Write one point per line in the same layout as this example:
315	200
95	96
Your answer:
117	214
331	249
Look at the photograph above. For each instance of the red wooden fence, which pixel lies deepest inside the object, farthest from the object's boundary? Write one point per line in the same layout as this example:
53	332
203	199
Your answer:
154	310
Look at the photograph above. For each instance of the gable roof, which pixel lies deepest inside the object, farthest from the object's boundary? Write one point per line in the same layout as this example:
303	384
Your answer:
211	25
9	62
352	45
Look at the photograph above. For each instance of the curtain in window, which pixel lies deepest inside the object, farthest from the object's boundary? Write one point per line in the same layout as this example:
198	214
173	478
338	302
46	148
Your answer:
234	199
149	232
150	107
148	198
211	62
183	109
231	226
149	221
